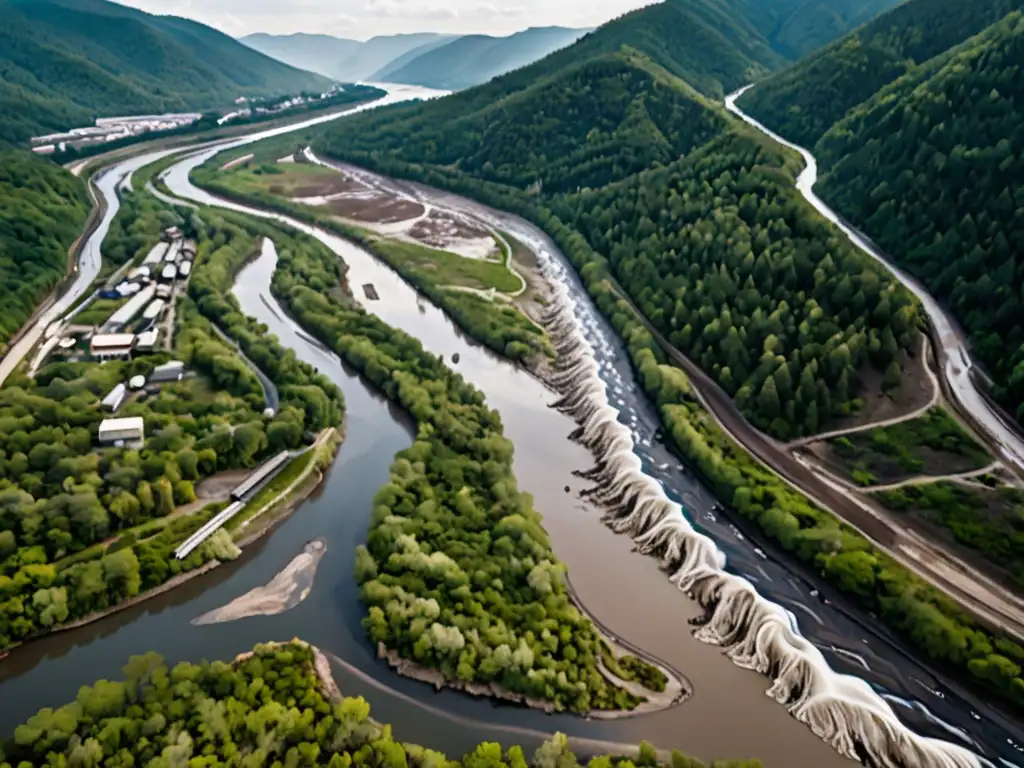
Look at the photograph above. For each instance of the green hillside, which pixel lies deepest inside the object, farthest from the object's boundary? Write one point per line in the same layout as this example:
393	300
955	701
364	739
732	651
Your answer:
931	167
802	102
475	59
42	210
695	214
65	62
796	27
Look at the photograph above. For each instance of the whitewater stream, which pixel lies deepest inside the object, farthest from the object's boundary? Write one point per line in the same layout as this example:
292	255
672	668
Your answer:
790	627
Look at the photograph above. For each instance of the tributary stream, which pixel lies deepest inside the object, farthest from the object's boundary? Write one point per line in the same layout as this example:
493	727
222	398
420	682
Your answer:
728	714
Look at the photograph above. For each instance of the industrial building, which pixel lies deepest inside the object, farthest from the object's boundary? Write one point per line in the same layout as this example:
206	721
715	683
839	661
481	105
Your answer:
169	272
114	398
128	431
172	371
153	310
188	249
172	233
146	341
131	308
156	254
112	346
184	269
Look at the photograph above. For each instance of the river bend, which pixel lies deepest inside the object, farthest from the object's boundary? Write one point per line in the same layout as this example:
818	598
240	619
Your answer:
729	715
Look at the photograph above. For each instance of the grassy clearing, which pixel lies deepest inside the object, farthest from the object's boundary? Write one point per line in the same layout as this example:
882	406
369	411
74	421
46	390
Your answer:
288	179
99	311
933	444
633	669
442	268
990	521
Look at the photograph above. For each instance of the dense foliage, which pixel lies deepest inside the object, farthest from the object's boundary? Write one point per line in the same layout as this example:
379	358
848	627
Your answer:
990	520
902	600
930	167
805	100
716	247
63	62
845	558
271	707
42	211
84	528
458	573
932	444
723	258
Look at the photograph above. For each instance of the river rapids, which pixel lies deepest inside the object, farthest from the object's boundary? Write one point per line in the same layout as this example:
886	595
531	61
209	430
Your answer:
754	632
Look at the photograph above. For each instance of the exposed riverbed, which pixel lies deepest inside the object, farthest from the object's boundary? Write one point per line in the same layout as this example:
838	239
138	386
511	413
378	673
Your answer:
728	714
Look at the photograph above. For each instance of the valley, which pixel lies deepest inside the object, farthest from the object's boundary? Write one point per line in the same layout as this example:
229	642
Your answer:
574	391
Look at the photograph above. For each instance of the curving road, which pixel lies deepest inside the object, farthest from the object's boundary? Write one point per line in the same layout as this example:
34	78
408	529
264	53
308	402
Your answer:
952	347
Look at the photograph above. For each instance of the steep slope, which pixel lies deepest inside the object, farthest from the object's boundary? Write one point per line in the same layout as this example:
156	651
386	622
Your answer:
42	210
697	217
315	53
383	75
802	102
796	27
64	62
379	51
930	167
475	59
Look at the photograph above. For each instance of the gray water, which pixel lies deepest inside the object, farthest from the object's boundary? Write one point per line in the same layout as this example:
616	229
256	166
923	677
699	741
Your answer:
728	714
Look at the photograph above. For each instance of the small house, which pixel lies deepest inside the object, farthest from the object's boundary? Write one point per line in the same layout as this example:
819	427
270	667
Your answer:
172	371
128	431
114	398
112	346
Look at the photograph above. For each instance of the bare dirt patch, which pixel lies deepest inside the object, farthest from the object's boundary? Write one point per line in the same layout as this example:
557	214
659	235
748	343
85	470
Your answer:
914	392
373	207
220	485
286	590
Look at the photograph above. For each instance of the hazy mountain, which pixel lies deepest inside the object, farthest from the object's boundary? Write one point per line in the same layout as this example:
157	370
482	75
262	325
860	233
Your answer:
383	75
317	53
377	52
65	62
475	59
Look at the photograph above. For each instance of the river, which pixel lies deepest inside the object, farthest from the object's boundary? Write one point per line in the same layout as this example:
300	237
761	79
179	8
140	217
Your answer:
728	714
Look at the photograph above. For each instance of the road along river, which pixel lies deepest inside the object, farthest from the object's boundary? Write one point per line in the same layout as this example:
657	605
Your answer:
728	714
956	360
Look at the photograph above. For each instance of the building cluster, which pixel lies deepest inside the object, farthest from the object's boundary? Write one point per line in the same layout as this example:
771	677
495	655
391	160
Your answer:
130	431
111	129
144	317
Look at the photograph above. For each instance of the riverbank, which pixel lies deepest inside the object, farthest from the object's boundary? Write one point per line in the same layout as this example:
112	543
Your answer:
288	497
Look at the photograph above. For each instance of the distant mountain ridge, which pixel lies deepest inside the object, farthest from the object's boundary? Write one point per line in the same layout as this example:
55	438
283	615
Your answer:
65	62
341	58
475	59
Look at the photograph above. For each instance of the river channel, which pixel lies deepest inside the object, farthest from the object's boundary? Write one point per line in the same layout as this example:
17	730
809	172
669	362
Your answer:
728	714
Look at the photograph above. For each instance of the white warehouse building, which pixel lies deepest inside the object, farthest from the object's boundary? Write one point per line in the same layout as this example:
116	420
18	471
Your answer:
130	431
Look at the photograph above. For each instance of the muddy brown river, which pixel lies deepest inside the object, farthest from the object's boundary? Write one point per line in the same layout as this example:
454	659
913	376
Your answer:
728	714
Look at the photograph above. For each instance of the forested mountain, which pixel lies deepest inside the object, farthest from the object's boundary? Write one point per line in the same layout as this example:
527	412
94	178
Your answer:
695	214
383	75
796	27
42	210
340	58
931	167
802	102
65	62
917	128
315	53
475	59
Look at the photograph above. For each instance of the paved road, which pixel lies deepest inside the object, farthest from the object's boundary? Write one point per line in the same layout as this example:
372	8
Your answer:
269	388
955	359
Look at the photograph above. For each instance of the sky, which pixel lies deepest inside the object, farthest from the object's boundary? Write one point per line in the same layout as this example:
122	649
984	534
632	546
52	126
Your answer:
362	19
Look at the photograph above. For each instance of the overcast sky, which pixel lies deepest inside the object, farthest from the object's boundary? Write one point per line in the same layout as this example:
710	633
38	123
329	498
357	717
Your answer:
362	19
